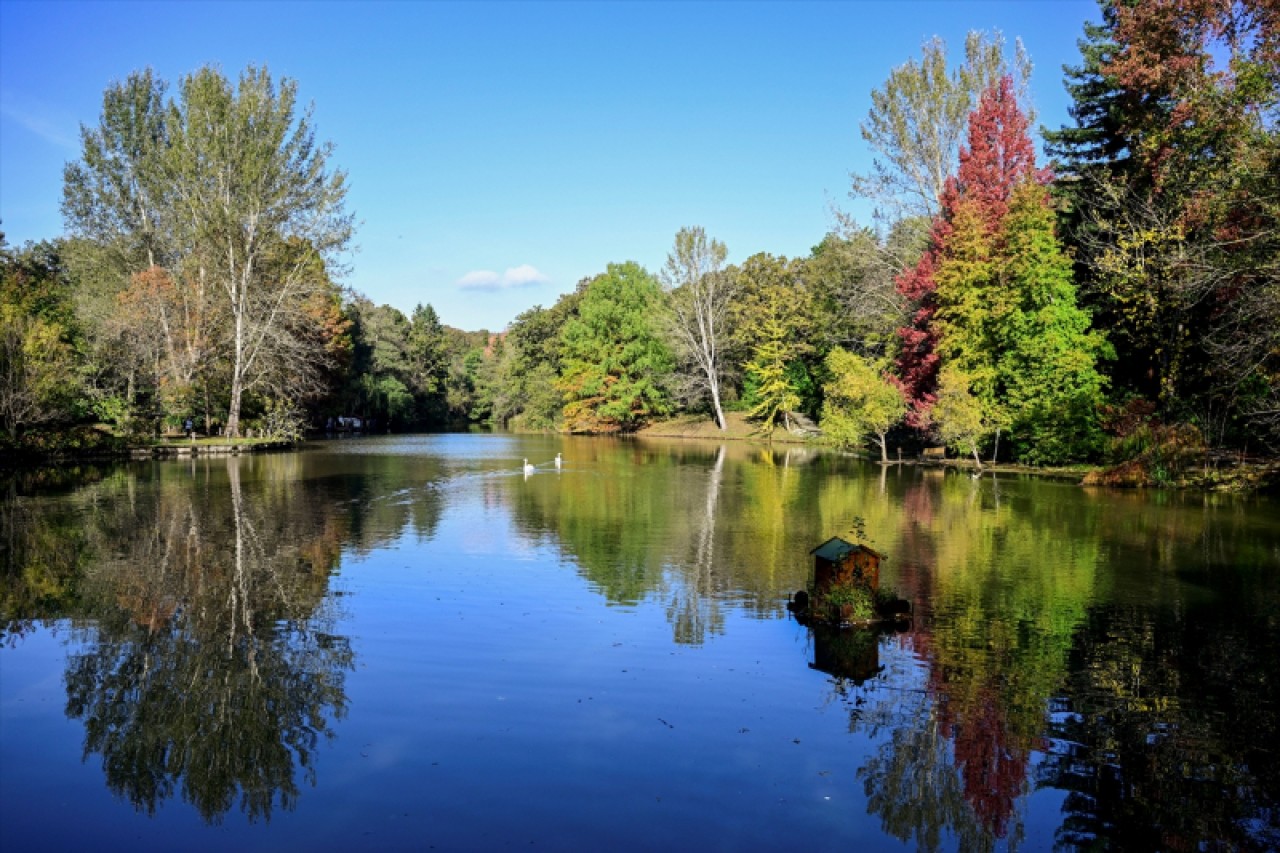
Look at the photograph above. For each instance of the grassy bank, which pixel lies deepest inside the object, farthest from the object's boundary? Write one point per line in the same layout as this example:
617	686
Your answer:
738	428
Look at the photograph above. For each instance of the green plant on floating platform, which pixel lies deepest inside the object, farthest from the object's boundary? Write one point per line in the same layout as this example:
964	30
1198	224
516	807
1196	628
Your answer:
859	598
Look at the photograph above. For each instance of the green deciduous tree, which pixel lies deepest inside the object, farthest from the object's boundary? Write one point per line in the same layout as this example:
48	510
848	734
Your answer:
40	371
851	277
614	362
117	194
37	371
860	402
959	415
917	119
255	201
772	321
227	190
381	365
527	396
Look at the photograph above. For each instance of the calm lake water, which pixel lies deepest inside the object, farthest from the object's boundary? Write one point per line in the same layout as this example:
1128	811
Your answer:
405	643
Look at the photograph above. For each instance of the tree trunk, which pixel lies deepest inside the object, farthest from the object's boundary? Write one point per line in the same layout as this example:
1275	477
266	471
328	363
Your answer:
237	385
237	360
715	400
232	429
996	449
884	449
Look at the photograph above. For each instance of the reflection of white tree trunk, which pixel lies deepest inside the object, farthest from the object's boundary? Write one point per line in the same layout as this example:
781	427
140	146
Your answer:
240	601
699	591
706	536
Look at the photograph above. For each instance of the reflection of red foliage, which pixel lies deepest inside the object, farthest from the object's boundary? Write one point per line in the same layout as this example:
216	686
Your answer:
991	758
915	565
992	766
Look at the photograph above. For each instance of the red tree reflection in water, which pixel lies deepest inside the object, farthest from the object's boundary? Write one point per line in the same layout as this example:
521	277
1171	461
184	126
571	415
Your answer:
969	682
992	764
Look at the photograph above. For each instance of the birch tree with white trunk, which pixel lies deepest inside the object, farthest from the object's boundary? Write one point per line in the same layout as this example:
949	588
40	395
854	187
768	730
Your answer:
257	211
699	297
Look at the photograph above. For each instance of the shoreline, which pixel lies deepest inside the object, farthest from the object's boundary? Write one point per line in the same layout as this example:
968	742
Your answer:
140	452
1236	476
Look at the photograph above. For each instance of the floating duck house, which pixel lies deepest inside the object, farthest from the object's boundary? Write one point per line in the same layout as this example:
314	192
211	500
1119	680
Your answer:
839	562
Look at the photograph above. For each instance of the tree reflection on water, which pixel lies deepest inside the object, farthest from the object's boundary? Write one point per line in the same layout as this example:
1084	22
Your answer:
1111	656
211	669
207	664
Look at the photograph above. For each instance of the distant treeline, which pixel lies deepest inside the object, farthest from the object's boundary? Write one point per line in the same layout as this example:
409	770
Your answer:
1124	298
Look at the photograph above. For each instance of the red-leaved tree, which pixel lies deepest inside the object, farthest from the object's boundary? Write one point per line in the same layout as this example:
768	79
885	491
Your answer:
998	155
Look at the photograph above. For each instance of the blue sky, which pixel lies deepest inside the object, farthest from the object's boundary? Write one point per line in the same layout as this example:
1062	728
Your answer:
499	152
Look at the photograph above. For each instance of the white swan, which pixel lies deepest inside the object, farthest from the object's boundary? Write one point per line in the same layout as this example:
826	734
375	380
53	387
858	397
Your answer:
528	469
559	462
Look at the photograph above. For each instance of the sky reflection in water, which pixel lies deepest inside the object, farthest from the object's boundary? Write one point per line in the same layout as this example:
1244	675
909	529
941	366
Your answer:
406	642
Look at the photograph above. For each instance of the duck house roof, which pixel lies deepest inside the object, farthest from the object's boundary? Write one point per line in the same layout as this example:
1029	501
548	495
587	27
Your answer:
835	549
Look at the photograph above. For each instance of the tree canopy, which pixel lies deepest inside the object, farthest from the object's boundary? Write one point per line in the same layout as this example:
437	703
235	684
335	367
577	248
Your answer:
1131	286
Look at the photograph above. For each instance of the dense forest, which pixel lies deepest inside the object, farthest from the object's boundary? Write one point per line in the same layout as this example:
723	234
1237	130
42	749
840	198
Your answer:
1120	298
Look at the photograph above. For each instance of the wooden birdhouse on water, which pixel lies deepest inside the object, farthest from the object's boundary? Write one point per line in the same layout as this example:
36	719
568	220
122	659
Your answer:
839	562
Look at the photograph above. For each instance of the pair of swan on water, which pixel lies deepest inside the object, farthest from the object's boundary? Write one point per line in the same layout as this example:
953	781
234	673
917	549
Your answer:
529	468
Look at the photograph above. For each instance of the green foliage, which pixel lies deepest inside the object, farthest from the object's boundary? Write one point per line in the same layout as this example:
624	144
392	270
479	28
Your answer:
1174	162
115	195
425	349
282	421
857	597
1008	321
974	307
465	398
959	414
524	392
428	364
775	395
381	366
1049	369
113	410
769	316
850	277
37	368
205	226
614	362
860	402
917	118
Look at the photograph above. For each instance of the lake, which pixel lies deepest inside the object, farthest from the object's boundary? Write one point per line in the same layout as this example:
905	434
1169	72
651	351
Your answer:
407	643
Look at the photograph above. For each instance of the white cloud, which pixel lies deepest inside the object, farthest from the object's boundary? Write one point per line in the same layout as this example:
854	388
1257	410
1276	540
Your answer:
524	275
44	126
480	280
